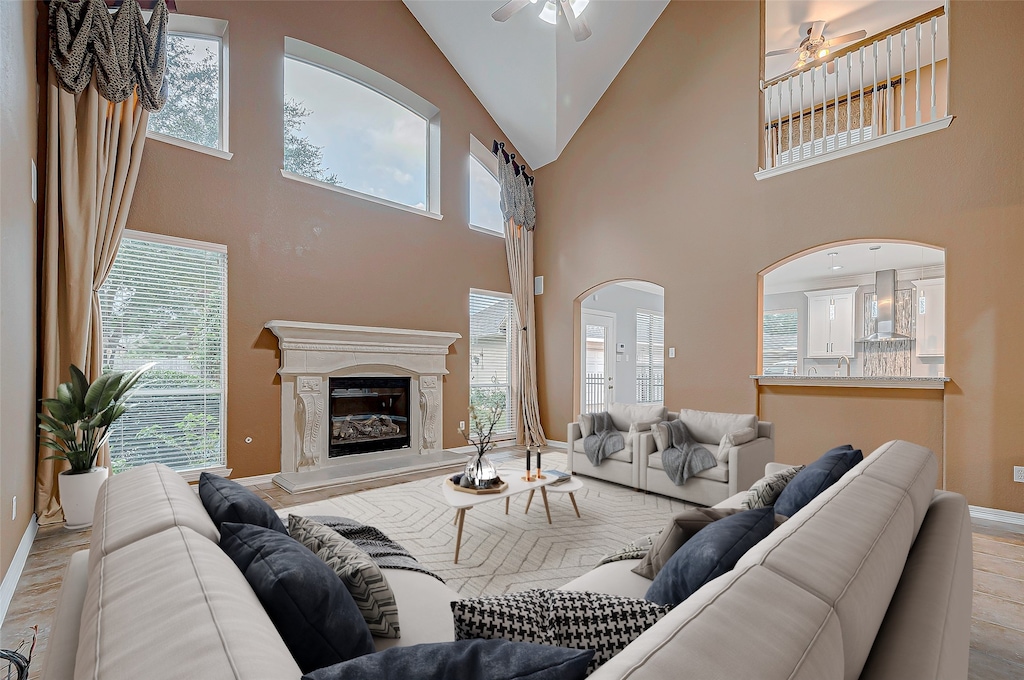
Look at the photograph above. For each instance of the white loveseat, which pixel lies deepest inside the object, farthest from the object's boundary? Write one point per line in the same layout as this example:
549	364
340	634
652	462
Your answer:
622	467
739	465
871	580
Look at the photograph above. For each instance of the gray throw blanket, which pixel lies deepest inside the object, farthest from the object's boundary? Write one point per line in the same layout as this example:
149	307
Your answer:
380	548
604	440
683	457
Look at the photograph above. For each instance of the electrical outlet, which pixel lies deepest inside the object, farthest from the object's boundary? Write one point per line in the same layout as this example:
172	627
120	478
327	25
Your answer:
1018	473
14	508
462	425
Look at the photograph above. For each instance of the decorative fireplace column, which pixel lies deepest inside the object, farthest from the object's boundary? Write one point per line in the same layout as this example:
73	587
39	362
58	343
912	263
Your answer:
313	353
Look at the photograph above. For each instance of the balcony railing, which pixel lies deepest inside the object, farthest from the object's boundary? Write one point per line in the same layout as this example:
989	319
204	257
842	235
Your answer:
889	86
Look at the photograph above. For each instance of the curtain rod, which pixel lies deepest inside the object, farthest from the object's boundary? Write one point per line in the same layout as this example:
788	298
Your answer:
498	149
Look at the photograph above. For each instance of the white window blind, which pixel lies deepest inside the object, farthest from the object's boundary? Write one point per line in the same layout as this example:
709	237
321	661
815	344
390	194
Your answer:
491	329
779	348
165	301
650	357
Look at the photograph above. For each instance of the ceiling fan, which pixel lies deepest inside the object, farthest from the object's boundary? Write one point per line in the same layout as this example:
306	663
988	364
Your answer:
577	24
815	46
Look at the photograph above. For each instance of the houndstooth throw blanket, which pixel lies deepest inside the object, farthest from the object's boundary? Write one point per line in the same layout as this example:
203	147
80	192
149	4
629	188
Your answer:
380	548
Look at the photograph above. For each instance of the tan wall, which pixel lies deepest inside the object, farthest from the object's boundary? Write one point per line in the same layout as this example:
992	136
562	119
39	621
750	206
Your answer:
17	272
303	253
658	184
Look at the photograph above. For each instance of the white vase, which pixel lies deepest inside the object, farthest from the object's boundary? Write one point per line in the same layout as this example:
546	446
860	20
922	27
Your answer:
78	496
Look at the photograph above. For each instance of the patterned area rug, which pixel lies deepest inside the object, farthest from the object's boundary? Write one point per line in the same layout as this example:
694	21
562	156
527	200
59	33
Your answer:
505	553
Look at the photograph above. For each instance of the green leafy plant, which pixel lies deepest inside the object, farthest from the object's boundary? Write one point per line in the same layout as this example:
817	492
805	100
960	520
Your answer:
80	417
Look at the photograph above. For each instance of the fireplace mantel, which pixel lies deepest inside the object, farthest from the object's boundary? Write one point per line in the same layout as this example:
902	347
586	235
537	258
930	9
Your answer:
312	353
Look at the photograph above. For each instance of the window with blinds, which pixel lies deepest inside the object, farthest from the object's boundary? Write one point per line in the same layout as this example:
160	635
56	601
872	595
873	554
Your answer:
650	357
165	301
491	332
779	348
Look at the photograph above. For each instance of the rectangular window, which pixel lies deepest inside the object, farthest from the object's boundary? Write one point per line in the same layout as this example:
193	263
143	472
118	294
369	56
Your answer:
650	357
358	131
779	348
165	301
484	192
196	107
491	329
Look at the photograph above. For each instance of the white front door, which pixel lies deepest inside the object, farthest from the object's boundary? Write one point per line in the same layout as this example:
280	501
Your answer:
597	356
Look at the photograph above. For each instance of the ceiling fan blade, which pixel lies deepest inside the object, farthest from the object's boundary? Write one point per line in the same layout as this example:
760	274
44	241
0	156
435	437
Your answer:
578	25
775	53
508	9
796	64
816	30
849	37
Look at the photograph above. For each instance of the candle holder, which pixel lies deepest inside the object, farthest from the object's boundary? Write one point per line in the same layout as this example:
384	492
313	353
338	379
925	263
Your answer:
540	475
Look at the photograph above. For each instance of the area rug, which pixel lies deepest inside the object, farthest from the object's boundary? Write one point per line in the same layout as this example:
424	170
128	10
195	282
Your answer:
505	553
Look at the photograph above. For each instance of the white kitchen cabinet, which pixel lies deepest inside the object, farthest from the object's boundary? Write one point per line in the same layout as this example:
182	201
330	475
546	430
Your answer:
930	307
830	319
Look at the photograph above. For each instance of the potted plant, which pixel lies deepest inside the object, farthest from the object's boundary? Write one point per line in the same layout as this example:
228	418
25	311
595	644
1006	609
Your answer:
485	411
78	425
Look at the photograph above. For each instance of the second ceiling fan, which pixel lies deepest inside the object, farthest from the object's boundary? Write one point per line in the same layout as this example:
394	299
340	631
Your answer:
815	47
577	24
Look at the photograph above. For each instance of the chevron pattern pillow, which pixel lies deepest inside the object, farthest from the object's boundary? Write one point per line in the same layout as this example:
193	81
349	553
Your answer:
360	574
766	490
562	618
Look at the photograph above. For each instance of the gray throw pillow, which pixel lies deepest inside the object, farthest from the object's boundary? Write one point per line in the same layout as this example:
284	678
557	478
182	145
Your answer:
680	529
360	574
737	438
765	491
661	438
586	424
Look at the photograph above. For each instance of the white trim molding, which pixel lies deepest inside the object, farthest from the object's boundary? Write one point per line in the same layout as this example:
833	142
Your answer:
191	476
256	480
13	574
996	515
287	174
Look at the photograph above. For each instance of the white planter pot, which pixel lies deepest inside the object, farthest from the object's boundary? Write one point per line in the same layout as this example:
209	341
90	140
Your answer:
78	496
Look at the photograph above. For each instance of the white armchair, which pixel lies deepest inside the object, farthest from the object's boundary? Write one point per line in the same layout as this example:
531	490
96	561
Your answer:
622	467
741	457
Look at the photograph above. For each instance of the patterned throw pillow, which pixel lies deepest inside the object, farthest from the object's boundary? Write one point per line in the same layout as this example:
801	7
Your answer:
766	490
360	574
563	618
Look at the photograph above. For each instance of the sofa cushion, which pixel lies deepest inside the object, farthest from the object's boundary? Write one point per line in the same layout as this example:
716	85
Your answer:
360	574
735	438
228	501
714	550
709	428
681	528
141	502
765	491
564	618
308	603
172	606
468	659
624	415
719	473
815	478
425	605
624	455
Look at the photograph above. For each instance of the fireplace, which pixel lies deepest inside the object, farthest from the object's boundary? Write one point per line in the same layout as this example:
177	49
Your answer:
368	414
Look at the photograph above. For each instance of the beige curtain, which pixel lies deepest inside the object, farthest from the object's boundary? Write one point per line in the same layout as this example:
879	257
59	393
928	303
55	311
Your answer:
519	212
94	150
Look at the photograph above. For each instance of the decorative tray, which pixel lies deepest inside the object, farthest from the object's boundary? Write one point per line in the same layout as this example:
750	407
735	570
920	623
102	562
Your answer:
498	489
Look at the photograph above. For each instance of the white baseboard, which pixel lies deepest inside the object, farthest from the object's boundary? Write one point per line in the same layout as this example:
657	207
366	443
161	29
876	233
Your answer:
468	448
13	575
256	480
994	515
555	444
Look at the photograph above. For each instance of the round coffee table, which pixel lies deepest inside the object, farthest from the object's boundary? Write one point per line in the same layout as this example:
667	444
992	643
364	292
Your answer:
570	487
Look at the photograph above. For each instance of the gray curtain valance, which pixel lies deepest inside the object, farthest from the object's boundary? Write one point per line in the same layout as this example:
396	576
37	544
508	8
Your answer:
121	48
516	190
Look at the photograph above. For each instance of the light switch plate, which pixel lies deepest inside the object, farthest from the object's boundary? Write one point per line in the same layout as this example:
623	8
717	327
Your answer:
1018	473
671	352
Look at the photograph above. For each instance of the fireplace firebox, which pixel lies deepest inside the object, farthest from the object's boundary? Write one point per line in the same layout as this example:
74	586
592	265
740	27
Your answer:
368	414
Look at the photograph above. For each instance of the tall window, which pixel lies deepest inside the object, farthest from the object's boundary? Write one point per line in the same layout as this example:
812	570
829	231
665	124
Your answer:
779	346
484	192
650	357
491	329
165	301
196	108
350	127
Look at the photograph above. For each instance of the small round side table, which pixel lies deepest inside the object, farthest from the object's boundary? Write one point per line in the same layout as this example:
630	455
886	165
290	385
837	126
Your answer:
570	487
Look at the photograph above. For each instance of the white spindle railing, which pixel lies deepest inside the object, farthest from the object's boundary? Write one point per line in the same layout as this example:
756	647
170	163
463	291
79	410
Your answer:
869	78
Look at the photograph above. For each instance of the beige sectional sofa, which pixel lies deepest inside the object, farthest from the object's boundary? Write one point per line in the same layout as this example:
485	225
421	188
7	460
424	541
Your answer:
871	580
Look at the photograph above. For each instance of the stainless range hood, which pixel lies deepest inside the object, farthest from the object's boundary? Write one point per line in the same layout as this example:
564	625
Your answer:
885	323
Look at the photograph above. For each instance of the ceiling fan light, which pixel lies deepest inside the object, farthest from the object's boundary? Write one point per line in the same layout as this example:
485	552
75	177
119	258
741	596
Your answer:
822	53
804	55
549	13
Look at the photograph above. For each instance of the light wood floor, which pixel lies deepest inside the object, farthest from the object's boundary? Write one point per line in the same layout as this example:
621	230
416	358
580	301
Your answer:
997	631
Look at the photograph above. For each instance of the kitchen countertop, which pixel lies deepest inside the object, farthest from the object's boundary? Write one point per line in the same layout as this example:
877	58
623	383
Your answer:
896	381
